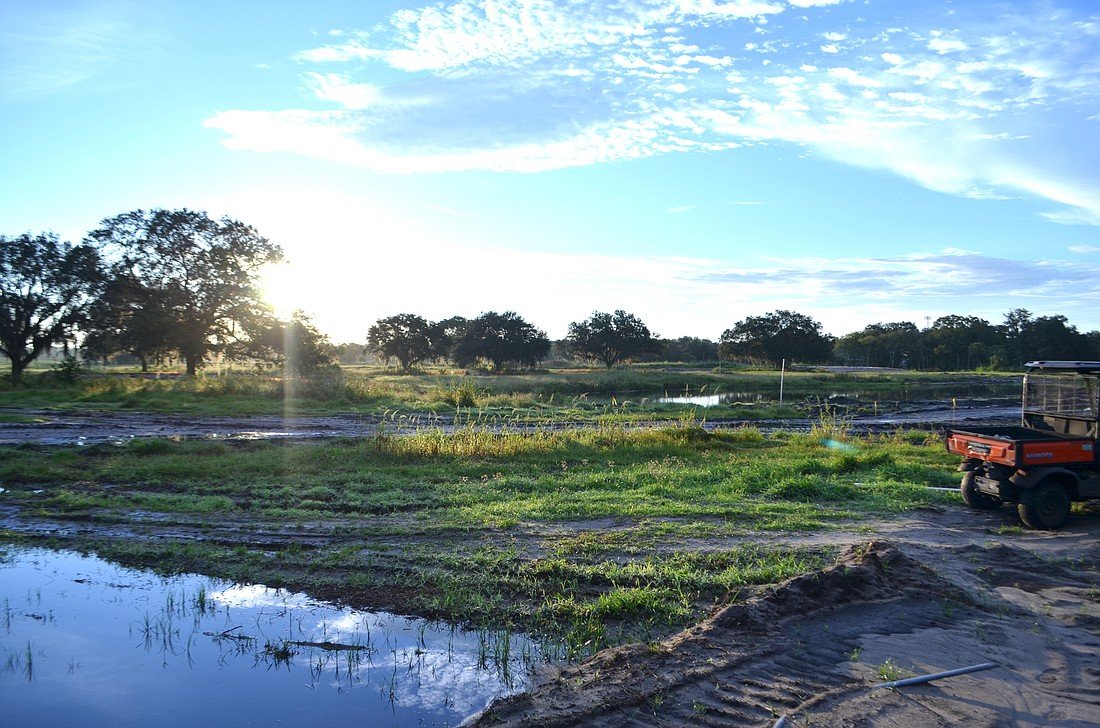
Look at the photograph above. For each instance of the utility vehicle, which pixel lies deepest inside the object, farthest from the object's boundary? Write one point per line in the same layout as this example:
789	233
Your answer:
1049	460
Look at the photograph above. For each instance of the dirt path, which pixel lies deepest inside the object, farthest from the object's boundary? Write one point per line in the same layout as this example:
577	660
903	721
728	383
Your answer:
938	591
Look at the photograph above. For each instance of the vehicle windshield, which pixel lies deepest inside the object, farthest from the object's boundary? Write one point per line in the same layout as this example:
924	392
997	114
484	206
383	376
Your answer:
1062	395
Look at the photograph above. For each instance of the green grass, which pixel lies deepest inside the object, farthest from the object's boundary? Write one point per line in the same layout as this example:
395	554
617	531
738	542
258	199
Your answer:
480	478
587	537
621	394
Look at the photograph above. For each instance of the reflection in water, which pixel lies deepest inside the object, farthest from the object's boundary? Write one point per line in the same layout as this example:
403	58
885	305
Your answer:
86	642
945	392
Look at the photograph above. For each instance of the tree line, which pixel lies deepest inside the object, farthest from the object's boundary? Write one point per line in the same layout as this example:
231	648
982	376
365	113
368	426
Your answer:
950	343
163	284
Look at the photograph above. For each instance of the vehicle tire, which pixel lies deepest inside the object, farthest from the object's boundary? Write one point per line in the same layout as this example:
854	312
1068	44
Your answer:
1046	506
975	498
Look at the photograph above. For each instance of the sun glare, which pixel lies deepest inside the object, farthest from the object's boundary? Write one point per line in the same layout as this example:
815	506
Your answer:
280	290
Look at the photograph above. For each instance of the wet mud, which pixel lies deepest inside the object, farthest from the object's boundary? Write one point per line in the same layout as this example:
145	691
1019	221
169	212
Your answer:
57	427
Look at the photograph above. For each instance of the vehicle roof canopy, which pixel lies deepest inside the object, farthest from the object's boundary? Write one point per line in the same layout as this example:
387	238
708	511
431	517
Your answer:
1078	367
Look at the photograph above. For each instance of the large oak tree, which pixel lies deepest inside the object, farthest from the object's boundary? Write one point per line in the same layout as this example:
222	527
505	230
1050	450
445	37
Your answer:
776	336
45	287
405	337
500	338
611	338
204	272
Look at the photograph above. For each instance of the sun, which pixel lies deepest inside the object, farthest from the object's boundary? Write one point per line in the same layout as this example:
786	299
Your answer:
281	289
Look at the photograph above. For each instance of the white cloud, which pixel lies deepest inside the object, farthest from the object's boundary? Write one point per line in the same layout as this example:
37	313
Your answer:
853	77
1084	249
349	95
814	3
943	45
729	8
531	85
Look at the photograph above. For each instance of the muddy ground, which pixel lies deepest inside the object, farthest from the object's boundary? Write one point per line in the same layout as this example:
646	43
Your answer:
938	589
77	427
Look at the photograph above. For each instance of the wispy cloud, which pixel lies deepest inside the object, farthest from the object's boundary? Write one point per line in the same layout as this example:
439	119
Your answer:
681	208
1084	249
49	47
959	103
948	274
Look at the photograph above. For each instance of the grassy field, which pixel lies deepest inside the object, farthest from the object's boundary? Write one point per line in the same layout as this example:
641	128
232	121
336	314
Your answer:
587	537
621	394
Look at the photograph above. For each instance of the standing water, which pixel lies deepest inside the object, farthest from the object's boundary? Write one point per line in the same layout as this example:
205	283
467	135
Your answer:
86	642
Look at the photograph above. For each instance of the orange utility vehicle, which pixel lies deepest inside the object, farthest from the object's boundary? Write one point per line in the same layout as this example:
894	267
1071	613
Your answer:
1050	459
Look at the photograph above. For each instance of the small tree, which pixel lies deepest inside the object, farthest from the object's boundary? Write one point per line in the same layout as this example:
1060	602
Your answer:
776	336
501	338
611	338
204	272
45	286
405	337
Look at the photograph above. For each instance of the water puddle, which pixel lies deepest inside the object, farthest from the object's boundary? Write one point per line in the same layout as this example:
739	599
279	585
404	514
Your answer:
944	392
86	642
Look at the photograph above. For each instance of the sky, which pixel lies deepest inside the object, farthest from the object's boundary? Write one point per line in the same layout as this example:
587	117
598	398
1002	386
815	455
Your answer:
693	162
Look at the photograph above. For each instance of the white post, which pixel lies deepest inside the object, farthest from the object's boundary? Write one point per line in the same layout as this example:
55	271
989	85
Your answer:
782	373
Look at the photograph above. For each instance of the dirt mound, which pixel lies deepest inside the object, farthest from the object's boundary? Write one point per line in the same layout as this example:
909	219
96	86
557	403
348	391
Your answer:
756	645
812	647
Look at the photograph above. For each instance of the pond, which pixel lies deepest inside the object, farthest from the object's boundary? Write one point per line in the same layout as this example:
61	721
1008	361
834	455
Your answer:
86	642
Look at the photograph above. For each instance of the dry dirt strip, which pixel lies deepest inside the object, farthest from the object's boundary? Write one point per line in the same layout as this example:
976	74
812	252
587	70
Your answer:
811	648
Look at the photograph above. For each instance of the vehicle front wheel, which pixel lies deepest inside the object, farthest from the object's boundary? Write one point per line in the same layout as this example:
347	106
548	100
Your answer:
1046	506
974	497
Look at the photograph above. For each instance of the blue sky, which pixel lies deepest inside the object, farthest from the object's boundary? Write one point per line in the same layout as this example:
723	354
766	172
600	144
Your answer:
691	161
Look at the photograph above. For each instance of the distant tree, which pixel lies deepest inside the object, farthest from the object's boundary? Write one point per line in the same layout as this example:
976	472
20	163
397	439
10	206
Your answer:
1014	334
500	338
1093	338
880	345
443	335
204	272
405	337
689	348
296	345
961	342
1053	337
611	338
776	336
45	288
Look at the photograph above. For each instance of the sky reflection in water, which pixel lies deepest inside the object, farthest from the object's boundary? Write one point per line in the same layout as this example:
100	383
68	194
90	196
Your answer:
85	642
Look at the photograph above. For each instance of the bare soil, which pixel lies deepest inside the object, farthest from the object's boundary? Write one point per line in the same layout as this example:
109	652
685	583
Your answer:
944	589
